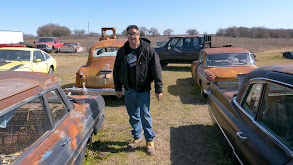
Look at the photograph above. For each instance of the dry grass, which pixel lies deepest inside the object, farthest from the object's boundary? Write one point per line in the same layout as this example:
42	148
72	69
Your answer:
184	131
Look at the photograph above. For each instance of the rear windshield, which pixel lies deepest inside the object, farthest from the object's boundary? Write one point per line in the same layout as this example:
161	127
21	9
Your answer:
104	51
230	59
14	55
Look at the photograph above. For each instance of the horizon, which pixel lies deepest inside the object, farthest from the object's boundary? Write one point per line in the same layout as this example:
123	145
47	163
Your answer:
91	16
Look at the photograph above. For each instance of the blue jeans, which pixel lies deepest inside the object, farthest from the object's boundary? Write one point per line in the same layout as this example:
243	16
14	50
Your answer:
138	108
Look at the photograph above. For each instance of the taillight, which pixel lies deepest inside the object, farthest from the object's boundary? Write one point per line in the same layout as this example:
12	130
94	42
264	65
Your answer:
81	75
210	78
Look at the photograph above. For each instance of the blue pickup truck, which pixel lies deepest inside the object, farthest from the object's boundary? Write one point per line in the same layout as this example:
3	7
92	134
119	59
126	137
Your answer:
183	49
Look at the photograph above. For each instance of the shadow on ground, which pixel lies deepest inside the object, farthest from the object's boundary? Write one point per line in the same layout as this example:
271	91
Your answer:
113	101
188	92
196	144
67	85
176	68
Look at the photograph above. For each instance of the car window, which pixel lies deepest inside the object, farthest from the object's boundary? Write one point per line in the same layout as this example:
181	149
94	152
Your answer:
15	55
230	59
191	42
47	56
176	42
105	51
21	127
57	106
253	97
38	55
276	112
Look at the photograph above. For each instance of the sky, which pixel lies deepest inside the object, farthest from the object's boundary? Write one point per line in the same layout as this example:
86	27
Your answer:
178	15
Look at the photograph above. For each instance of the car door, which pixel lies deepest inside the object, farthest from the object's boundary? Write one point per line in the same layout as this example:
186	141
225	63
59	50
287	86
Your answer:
191	49
254	143
173	51
39	66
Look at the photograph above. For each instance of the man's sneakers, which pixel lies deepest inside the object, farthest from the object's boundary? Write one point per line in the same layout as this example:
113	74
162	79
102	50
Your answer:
150	147
135	143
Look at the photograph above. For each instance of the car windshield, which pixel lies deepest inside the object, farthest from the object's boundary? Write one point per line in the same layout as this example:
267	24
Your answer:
230	59
70	44
45	40
15	55
105	51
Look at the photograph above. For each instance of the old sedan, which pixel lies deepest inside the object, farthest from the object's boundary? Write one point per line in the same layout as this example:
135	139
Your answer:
40	125
70	47
96	77
256	122
26	59
221	66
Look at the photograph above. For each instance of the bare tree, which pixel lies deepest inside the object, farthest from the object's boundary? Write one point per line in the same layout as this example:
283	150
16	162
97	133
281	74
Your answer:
192	32
124	33
143	31
55	30
93	34
154	32
79	33
168	32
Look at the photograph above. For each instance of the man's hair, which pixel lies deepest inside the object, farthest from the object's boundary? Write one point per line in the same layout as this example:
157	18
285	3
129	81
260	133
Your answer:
132	27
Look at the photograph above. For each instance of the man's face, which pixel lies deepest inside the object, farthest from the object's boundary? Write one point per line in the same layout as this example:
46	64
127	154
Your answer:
133	36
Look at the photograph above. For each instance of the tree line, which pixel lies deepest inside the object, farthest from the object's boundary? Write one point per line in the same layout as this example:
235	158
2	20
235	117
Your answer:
56	30
255	32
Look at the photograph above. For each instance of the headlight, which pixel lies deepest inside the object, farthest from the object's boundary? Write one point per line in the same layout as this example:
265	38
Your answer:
49	46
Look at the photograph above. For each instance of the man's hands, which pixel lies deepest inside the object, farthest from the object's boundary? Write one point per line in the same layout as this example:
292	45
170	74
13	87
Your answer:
159	96
119	94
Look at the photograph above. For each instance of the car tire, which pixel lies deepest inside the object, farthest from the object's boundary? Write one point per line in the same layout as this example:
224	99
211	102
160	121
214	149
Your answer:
51	70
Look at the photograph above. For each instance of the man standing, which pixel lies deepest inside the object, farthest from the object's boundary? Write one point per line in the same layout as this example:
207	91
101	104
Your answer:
136	66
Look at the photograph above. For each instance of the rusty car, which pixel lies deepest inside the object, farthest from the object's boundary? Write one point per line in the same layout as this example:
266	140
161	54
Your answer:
70	47
40	124
221	65
106	36
255	121
96	77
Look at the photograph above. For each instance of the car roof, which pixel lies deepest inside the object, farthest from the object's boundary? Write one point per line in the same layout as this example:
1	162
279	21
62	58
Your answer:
224	50
19	48
17	86
282	73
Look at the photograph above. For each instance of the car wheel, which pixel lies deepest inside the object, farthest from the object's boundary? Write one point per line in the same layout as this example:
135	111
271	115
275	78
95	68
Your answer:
51	70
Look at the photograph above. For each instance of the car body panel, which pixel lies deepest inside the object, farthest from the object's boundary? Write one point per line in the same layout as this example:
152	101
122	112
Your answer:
251	139
65	141
225	75
70	47
29	64
97	74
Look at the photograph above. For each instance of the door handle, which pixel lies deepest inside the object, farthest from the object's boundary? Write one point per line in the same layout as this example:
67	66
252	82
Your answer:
63	144
239	134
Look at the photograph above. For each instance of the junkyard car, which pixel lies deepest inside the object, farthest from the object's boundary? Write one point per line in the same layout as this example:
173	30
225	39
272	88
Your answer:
40	125
70	47
96	77
256	122
26	59
221	65
160	44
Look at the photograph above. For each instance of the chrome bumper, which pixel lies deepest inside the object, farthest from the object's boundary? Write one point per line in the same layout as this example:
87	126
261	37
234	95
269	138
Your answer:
92	91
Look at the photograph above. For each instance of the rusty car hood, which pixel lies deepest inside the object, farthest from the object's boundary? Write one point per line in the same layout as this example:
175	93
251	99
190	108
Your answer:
228	72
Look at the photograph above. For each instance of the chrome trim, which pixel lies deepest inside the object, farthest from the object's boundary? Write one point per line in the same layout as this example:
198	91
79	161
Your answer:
97	91
225	136
262	128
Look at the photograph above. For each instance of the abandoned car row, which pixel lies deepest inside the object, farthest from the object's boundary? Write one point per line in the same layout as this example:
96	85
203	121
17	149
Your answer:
40	122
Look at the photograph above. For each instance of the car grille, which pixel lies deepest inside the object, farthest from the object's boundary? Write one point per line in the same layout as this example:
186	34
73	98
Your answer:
40	46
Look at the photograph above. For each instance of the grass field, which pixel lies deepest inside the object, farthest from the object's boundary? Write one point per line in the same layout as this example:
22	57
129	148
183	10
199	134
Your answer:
184	131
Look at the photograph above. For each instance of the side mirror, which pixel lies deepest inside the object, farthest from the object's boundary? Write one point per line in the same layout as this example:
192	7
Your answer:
38	60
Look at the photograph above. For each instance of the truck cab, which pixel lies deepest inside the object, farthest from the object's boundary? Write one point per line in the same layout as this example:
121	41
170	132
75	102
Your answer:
183	49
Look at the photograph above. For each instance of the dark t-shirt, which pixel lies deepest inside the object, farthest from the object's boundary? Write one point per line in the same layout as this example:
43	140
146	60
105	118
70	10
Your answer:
132	62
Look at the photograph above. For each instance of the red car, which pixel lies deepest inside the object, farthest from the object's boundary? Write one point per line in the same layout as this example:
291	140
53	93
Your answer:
48	44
